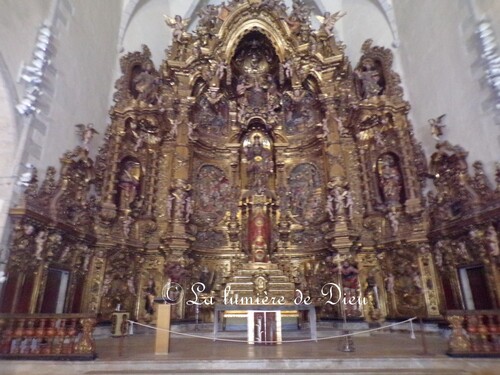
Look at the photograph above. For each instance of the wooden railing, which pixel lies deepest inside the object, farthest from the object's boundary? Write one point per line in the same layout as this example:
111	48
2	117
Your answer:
54	336
474	333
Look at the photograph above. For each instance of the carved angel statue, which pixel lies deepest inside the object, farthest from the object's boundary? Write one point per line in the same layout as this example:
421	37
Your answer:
86	133
328	21
437	126
178	26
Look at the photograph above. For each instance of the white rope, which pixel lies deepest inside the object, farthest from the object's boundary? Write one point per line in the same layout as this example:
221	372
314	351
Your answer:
212	338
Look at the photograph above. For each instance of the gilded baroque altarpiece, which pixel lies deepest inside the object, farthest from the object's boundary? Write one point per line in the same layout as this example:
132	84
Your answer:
256	157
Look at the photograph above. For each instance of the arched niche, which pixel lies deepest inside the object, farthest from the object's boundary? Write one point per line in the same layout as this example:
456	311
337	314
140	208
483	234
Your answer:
257	158
390	179
128	183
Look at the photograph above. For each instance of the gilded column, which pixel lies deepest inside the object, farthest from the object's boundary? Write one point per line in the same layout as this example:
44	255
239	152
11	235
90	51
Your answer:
179	198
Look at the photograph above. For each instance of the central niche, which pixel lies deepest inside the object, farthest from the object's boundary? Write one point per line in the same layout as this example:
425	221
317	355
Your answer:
257	156
255	81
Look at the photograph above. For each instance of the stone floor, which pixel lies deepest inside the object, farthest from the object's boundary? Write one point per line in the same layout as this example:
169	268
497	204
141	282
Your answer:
376	353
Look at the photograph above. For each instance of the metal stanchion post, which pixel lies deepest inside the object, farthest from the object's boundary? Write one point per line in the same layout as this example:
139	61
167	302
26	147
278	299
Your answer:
424	341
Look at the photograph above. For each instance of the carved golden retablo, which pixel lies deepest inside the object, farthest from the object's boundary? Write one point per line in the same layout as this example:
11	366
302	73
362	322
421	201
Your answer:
256	157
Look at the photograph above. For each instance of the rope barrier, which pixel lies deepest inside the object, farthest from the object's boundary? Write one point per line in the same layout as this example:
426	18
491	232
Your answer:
212	338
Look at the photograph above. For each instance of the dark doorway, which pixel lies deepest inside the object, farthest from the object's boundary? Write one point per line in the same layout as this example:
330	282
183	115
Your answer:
475	288
54	295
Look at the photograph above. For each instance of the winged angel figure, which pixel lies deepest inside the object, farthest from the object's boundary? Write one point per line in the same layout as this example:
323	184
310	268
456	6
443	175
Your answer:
178	26
437	126
86	133
328	21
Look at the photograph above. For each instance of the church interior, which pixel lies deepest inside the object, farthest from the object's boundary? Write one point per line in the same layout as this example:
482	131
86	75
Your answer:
264	169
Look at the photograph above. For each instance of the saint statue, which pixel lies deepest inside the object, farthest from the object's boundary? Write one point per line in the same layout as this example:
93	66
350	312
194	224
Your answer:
129	180
260	164
390	180
370	79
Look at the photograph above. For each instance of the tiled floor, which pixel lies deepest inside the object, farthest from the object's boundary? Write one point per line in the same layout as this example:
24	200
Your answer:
376	353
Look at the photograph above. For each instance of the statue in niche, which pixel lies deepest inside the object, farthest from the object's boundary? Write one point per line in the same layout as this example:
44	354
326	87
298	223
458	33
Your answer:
146	85
254	62
372	295
180	193
150	294
258	155
128	183
370	79
338	198
390	179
